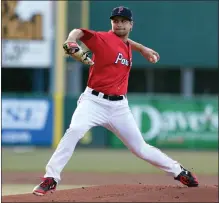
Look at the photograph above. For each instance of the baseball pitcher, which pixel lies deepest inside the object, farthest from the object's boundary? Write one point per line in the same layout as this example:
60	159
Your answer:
104	101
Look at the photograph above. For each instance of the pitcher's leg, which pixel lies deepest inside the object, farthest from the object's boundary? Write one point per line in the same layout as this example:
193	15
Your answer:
64	151
82	120
125	127
88	114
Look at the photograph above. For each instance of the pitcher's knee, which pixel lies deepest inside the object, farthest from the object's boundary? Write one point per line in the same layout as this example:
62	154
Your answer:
75	131
71	138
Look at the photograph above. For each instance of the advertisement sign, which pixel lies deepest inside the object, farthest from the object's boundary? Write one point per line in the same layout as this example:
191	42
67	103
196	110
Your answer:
27	122
27	30
177	124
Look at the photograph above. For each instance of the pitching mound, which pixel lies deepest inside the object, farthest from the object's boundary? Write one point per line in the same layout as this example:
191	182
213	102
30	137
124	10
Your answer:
124	193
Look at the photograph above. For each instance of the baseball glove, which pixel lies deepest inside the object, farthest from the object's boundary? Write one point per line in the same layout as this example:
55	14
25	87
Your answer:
75	51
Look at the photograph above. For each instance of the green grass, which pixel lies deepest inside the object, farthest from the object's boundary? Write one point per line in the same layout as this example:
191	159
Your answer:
13	189
106	161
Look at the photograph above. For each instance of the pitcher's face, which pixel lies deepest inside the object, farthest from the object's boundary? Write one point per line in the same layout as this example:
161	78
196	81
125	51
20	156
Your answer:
121	26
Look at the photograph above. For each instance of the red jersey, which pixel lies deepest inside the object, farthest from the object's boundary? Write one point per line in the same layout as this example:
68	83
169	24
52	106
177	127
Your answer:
112	62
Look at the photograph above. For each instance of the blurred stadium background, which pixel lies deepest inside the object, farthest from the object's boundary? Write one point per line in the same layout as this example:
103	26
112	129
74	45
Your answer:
174	101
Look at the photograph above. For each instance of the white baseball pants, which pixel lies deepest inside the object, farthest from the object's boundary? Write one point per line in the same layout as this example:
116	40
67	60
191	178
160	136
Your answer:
115	116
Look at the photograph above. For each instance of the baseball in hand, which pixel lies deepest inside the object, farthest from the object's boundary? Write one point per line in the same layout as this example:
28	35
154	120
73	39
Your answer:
154	59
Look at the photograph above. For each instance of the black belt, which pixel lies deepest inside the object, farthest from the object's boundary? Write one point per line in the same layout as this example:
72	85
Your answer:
108	97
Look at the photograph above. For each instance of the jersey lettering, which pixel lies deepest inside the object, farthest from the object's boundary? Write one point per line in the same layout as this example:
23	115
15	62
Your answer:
122	60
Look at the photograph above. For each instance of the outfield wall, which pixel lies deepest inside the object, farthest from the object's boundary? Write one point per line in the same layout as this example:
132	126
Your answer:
165	122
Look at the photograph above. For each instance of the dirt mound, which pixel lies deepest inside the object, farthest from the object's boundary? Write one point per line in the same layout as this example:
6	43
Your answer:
124	193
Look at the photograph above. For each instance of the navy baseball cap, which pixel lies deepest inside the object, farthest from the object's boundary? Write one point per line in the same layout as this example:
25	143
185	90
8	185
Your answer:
123	12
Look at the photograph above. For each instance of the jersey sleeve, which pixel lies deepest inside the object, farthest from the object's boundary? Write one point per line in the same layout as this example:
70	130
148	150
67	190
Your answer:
90	38
88	34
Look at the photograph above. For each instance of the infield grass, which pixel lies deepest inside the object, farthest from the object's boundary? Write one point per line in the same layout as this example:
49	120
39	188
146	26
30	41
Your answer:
104	160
